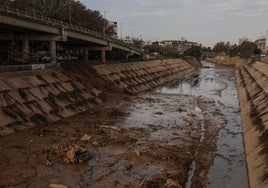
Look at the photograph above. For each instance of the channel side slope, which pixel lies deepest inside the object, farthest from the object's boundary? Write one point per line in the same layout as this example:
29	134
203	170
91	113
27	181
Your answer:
141	76
30	97
44	96
252	84
252	81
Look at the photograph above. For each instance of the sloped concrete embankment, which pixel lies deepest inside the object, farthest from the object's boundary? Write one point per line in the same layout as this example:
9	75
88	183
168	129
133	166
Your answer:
137	77
41	97
252	83
30	97
252	80
230	61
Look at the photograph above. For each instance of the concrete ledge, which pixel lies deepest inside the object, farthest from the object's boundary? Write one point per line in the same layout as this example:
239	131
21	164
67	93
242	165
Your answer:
12	68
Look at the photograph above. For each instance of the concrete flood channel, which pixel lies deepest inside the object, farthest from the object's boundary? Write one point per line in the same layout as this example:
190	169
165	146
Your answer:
186	134
226	165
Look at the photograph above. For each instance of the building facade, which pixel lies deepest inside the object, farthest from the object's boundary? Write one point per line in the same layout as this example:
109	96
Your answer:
262	44
242	40
178	46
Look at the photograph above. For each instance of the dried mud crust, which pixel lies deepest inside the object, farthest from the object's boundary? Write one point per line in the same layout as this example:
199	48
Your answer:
122	148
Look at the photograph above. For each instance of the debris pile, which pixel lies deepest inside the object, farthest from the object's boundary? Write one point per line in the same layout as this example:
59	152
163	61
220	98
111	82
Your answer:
71	153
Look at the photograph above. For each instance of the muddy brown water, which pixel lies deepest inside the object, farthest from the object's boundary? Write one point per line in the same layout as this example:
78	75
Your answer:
229	167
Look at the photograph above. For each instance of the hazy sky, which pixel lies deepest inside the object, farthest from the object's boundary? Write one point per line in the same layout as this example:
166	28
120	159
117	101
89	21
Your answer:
204	21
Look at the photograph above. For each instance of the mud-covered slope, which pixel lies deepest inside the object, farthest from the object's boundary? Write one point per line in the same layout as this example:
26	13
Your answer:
44	96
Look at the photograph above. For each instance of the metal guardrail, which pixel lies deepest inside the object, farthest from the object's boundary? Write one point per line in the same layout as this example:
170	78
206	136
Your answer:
61	24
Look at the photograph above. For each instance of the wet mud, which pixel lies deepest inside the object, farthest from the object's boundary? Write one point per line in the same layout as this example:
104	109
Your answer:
170	137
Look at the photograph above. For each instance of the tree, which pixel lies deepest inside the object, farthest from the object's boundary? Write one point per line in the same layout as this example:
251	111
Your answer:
137	43
194	51
154	47
234	50
206	49
248	49
60	10
221	47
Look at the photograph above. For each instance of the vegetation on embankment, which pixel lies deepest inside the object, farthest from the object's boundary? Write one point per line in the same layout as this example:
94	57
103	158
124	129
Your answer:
244	50
252	83
44	96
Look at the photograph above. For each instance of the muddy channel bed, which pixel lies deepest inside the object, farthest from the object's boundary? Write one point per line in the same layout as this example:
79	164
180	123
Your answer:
155	139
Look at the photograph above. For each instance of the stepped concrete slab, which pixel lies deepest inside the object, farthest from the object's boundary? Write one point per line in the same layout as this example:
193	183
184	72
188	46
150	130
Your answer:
252	83
43	96
28	95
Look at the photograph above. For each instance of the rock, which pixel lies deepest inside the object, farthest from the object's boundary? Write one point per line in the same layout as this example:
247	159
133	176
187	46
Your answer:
95	144
57	186
128	166
159	113
163	170
113	127
172	184
115	182
137	152
85	138
180	110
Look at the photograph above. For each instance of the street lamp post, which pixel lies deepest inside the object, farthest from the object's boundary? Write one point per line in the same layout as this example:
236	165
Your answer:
104	22
121	30
70	12
141	41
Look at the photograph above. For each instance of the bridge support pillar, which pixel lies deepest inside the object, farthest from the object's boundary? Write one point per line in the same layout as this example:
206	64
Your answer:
25	48
103	56
53	51
86	54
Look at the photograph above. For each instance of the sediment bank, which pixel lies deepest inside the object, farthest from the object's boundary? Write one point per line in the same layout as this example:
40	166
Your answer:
40	97
252	84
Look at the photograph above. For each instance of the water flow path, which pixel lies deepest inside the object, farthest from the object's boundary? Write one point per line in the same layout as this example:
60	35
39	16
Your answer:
229	167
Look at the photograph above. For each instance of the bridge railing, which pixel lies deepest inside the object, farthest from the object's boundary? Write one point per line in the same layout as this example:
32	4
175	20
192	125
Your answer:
57	23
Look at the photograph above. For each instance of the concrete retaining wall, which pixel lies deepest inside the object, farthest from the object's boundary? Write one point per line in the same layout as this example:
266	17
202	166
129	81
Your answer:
30	97
44	96
141	76
252	80
233	61
252	83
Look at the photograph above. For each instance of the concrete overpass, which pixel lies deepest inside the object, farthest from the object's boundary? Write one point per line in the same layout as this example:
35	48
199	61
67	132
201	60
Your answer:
20	25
